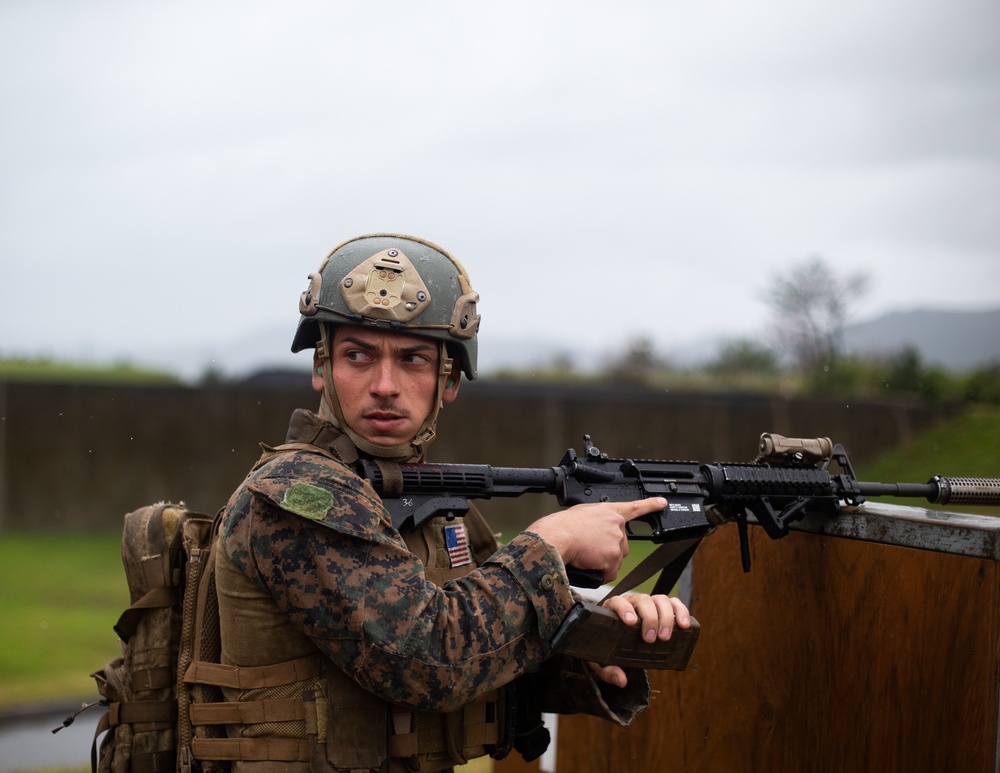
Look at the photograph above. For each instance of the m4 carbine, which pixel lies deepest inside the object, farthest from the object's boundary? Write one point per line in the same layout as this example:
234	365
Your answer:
789	477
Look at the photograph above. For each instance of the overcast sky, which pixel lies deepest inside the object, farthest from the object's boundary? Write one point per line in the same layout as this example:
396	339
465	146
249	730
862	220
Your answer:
171	172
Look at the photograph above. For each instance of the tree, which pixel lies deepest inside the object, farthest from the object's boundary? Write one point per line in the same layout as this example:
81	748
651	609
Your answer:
810	305
744	356
638	363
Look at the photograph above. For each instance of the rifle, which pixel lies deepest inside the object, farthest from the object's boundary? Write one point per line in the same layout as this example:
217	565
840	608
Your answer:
789	477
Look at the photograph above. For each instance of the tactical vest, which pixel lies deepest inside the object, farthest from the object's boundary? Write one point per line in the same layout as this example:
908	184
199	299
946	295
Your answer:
305	714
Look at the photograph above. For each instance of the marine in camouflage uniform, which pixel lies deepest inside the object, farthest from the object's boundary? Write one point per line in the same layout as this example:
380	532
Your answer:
360	647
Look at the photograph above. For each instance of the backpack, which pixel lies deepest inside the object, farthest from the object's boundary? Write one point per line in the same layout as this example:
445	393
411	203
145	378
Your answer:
173	620
166	710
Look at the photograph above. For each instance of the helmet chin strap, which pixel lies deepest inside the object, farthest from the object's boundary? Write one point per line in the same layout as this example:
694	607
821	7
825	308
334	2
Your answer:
331	410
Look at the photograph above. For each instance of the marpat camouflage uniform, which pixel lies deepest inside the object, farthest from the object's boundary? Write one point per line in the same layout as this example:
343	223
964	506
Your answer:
310	561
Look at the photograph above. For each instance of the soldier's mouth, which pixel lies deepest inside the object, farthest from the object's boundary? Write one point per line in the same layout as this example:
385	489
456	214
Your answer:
384	419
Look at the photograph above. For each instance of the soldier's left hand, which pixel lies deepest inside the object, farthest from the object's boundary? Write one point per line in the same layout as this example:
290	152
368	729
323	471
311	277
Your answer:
656	614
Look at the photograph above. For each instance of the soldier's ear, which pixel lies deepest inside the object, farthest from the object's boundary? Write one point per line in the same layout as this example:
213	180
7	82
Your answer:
451	386
317	374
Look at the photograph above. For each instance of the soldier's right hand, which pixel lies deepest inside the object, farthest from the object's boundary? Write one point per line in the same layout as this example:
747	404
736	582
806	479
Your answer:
592	536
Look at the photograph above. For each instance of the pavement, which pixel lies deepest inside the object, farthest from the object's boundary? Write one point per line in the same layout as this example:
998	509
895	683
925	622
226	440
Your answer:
27	742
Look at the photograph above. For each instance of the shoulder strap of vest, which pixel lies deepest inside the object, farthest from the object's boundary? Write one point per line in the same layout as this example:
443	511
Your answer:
341	450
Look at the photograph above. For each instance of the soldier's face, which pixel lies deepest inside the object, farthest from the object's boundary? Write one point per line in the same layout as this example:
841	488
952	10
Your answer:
386	382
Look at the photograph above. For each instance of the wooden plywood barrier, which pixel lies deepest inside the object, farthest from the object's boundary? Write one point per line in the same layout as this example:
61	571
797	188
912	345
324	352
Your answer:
872	653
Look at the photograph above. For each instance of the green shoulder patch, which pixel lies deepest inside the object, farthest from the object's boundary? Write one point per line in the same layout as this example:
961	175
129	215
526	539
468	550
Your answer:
308	501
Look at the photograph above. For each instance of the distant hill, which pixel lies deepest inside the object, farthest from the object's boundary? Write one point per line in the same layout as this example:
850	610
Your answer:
956	340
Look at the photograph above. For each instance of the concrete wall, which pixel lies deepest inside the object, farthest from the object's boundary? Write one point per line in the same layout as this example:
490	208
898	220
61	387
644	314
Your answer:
80	456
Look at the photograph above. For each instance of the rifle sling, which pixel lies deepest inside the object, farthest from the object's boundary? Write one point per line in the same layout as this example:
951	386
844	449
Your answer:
392	478
670	557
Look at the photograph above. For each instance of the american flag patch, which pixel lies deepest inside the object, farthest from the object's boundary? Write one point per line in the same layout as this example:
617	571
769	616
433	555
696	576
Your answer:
458	545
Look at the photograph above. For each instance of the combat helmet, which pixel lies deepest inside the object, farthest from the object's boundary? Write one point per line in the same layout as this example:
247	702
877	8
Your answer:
397	282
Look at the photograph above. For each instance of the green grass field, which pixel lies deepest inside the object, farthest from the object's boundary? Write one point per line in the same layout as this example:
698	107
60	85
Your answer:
44	370
60	595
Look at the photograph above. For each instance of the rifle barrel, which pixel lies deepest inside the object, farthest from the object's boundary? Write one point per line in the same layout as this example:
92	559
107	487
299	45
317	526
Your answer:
927	491
941	490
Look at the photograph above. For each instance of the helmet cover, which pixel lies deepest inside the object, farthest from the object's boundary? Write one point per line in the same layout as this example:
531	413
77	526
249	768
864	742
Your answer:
397	282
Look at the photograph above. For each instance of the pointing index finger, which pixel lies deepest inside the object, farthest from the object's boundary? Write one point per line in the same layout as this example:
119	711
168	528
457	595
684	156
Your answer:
640	507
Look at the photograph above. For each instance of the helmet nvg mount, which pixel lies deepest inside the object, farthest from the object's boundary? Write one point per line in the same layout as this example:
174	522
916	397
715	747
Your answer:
396	282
